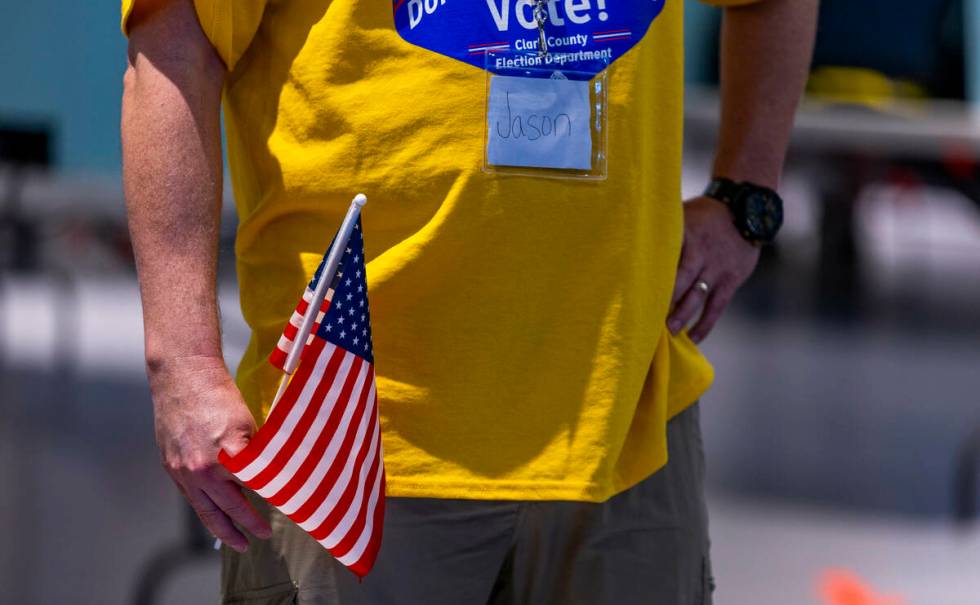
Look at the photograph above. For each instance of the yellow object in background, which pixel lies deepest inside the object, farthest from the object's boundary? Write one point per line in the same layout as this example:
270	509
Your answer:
860	86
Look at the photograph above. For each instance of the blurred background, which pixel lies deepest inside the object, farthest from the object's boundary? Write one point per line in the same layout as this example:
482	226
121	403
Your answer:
843	440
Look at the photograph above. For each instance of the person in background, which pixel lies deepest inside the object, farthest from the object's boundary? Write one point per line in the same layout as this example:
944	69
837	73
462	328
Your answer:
538	370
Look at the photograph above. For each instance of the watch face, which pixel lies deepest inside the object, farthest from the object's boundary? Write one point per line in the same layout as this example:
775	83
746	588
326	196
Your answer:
760	214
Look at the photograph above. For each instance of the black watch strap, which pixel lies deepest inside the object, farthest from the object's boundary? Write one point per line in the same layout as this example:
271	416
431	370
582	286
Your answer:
757	211
722	189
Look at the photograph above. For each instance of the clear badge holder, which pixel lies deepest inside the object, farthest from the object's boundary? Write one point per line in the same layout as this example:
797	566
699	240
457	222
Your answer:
546	115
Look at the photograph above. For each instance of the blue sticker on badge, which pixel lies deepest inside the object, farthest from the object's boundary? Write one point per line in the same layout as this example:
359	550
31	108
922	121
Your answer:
586	30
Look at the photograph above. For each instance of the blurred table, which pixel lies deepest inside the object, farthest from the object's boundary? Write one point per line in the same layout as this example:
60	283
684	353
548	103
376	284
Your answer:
928	130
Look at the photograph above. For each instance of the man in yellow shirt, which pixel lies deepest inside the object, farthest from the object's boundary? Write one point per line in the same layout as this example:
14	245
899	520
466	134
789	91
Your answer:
536	380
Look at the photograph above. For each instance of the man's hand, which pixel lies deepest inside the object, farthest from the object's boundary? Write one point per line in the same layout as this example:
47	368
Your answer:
171	145
198	412
714	253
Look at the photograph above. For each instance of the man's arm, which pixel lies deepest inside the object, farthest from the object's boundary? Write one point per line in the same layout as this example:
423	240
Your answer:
765	58
172	173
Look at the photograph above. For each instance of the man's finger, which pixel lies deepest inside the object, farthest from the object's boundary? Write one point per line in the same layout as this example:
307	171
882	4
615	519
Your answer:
715	306
688	269
228	496
221	473
217	522
685	310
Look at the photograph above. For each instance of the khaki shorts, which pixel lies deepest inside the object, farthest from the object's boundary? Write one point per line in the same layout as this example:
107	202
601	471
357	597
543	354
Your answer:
648	544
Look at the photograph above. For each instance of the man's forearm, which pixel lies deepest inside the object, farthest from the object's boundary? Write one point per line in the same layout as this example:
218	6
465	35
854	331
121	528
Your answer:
172	174
765	56
766	49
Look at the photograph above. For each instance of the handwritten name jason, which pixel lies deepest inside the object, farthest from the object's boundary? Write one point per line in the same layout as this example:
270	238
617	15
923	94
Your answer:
533	126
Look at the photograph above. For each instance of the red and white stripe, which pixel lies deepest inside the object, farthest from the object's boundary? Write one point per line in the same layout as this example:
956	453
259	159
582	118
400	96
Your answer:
488	47
318	457
285	344
614	34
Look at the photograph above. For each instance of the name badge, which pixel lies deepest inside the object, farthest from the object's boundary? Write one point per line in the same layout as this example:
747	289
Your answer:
539	123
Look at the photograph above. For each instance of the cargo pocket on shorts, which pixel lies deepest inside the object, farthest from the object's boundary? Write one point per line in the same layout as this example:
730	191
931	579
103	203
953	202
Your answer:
280	594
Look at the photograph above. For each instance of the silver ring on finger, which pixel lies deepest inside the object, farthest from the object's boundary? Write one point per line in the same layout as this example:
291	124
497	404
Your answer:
702	286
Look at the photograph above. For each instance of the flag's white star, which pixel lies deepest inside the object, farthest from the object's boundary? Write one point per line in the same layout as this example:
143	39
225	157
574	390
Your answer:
356	340
357	258
349	296
360	304
340	305
328	327
351	312
364	332
362	317
348	250
343	334
340	319
358	274
348	281
360	288
353	326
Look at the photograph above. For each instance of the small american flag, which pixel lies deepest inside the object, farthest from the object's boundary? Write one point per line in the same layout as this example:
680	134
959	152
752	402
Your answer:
281	352
318	456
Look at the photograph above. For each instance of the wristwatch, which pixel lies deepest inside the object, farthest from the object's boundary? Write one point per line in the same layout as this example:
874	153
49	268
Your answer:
757	211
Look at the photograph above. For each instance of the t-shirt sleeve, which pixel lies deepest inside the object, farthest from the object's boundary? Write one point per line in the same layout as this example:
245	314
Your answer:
230	25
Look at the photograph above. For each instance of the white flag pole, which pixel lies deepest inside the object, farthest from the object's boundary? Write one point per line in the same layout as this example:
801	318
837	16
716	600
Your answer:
326	278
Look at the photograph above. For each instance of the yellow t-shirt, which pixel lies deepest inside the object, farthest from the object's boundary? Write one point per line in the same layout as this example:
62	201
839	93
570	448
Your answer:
520	344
